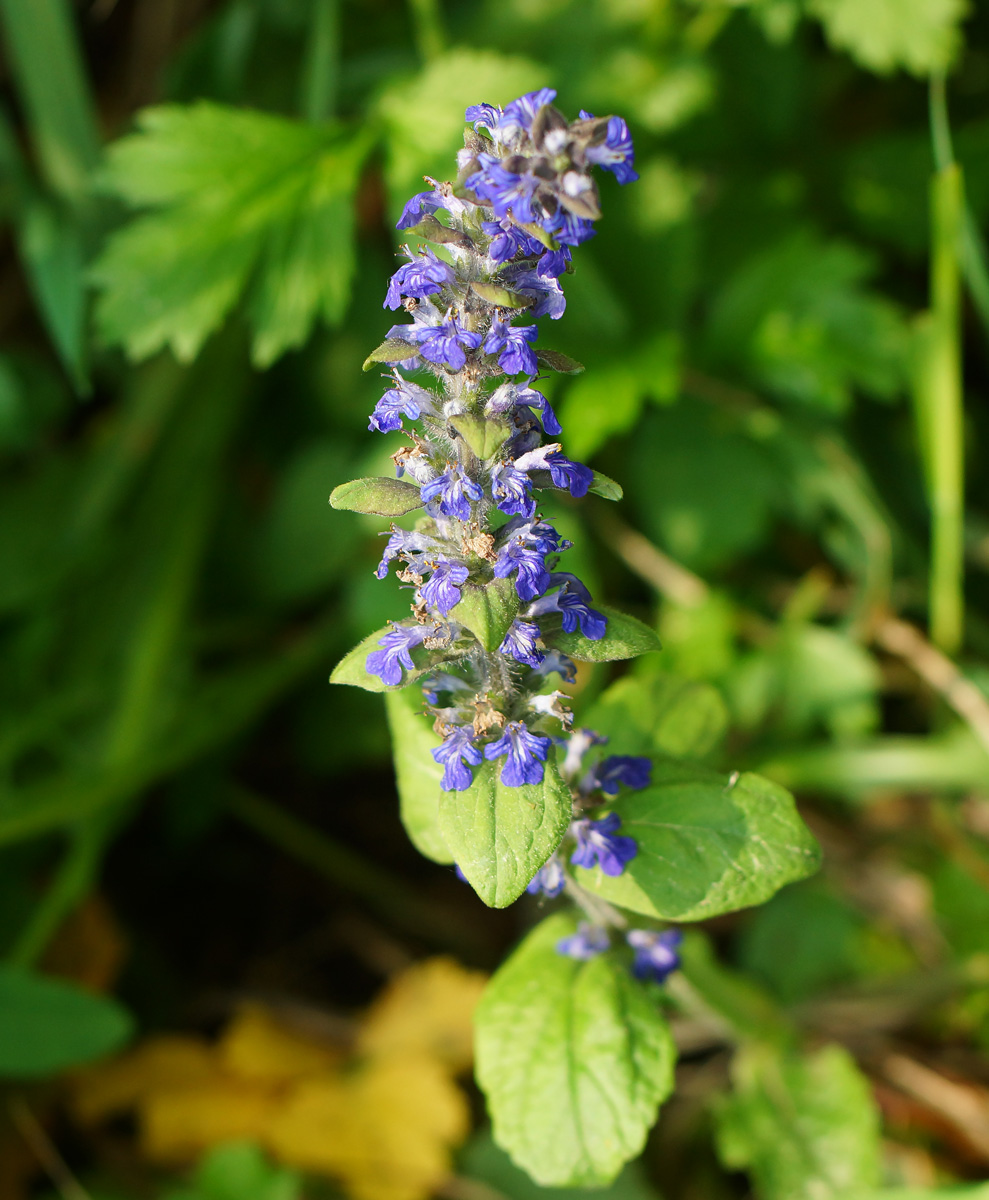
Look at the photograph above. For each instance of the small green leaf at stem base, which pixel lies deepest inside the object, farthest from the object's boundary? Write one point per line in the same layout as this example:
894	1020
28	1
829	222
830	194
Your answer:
574	1058
380	497
500	836
625	637
487	610
417	774
735	842
392	350
352	668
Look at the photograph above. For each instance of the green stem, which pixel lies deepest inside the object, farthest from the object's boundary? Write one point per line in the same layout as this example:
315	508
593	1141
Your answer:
322	66
427	25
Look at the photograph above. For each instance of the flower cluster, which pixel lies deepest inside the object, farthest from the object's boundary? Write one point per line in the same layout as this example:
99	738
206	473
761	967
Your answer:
481	449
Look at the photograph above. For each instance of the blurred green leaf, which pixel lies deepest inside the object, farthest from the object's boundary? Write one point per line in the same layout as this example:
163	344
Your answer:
239	1171
659	714
574	1058
882	35
244	203
735	841
500	836
47	1025
802	1125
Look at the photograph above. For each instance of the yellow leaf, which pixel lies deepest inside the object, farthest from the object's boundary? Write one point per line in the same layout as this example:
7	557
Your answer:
386	1132
427	1009
257	1046
161	1062
177	1124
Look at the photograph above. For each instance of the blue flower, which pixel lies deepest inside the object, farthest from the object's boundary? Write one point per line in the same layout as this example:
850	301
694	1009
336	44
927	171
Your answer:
528	397
522	112
405	398
406	543
442	591
546	290
507	240
588	942
511	344
616	153
574	610
440	681
627	769
455	491
656	954
528	557
572	476
571	230
422	204
580	741
485	115
512	490
599	842
553	263
458	747
424	276
507	192
526	754
398	644
548	880
520	643
444	343
555	661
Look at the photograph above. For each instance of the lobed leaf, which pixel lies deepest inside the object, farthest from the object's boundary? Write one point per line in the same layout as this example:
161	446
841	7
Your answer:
707	845
500	836
382	497
574	1058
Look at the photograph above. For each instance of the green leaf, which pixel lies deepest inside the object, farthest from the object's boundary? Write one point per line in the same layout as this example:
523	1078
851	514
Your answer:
559	362
502	297
239	1171
392	350
574	1058
417	774
434	231
352	668
601	485
485	437
48	1025
802	1125
243	203
383	497
487	610
625	637
50	244
919	35
735	842
659	714
500	836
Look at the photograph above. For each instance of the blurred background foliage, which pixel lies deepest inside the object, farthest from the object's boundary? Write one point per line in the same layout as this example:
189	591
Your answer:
199	843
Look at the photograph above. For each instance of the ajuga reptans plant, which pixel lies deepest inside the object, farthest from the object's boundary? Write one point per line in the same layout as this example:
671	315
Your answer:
496	619
573	1051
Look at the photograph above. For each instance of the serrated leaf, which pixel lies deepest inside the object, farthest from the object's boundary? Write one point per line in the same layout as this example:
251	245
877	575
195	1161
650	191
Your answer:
802	1125
500	836
417	774
734	842
602	485
574	1058
500	296
392	350
559	362
625	637
381	497
920	35
244	203
487	610
352	668
48	1025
